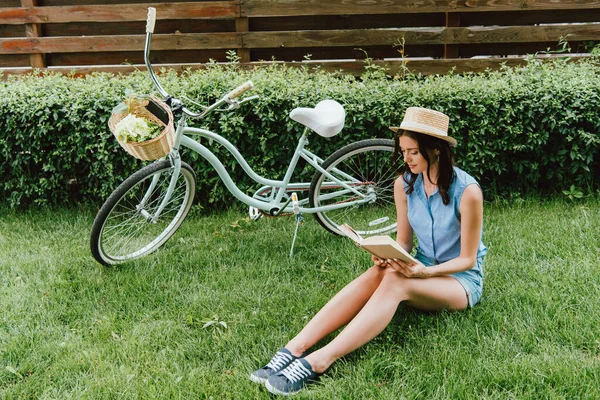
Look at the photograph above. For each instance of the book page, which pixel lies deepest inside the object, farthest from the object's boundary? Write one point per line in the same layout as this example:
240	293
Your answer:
351	233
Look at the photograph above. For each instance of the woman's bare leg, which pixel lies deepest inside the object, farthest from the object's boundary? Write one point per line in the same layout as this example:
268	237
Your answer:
428	294
340	310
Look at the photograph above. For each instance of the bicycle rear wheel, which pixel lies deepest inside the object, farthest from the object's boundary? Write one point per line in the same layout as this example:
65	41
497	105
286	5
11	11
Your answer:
124	229
369	164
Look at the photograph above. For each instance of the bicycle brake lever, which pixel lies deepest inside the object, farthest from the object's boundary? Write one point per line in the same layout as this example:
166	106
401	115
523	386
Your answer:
233	104
255	97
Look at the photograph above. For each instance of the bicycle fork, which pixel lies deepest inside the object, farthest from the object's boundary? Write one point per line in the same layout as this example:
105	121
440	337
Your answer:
175	160
141	207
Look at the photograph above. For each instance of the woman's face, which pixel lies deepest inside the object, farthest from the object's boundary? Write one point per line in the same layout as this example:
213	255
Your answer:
412	156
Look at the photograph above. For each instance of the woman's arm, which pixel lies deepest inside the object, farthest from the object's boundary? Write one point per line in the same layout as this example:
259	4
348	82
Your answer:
405	233
471	212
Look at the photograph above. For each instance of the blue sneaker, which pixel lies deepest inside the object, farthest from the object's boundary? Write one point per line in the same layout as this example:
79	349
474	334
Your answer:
280	361
292	379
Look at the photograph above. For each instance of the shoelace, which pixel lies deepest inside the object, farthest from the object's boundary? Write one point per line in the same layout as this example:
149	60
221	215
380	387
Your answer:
296	372
279	360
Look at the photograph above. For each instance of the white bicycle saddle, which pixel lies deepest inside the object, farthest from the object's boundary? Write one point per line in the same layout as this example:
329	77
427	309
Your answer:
327	118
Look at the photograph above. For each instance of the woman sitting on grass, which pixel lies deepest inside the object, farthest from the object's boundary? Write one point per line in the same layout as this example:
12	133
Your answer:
440	204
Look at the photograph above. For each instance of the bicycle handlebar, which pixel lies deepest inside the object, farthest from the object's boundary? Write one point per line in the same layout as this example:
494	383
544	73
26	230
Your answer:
151	20
238	91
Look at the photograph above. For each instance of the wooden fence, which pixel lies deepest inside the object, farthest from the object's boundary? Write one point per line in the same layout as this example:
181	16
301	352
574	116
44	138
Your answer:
438	36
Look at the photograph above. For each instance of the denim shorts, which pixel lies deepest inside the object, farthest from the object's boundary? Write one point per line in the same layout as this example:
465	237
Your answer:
471	280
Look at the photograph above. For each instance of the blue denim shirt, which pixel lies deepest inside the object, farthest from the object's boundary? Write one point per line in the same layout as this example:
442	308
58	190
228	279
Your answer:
437	226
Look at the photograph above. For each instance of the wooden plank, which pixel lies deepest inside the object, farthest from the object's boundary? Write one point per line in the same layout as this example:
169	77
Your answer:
353	67
342	37
424	67
508	5
341	53
135	57
513	49
262	8
422	36
459	66
189	41
81	71
522	34
124	12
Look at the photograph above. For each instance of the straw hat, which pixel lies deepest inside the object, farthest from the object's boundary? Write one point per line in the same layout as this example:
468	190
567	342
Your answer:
426	121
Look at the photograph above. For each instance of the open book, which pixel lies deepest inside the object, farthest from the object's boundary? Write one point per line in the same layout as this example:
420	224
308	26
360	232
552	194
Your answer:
380	246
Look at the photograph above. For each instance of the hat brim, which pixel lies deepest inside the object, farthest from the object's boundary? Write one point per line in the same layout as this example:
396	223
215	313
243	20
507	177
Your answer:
418	129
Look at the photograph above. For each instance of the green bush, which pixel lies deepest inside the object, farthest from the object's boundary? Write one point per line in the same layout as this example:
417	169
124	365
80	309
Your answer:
519	130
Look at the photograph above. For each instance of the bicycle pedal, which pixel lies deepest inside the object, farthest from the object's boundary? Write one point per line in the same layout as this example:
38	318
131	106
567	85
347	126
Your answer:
254	213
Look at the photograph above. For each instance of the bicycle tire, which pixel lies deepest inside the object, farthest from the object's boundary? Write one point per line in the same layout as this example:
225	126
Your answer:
121	232
369	162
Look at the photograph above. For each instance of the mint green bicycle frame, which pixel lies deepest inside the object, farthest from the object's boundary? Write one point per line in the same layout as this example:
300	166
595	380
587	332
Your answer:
275	204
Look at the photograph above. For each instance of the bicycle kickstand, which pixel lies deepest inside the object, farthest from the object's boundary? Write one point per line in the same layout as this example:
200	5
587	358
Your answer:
299	219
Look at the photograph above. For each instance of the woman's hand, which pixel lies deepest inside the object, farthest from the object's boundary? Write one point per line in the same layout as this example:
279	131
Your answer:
379	262
408	270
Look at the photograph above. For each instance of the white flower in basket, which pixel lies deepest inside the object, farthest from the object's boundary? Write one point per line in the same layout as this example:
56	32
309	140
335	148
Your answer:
136	129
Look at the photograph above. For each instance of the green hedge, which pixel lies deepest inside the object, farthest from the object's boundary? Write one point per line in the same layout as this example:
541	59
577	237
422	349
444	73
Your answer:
519	130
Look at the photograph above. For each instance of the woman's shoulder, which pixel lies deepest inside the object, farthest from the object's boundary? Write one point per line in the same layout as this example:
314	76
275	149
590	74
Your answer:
400	188
400	182
465	184
472	194
463	178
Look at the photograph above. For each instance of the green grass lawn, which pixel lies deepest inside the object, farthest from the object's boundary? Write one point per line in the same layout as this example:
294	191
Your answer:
70	328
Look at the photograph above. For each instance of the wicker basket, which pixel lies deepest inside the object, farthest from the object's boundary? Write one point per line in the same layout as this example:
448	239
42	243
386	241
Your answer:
151	149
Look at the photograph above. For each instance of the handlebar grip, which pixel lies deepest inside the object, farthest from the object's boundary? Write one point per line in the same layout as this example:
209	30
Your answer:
238	91
150	22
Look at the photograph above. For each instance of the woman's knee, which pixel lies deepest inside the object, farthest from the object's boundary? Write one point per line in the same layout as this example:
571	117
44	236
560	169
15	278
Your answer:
388	280
395	284
375	272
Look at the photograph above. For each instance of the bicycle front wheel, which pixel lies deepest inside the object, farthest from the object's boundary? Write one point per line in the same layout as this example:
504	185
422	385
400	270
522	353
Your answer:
126	228
366	166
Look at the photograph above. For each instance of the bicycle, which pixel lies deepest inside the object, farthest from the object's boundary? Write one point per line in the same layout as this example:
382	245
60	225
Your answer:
353	185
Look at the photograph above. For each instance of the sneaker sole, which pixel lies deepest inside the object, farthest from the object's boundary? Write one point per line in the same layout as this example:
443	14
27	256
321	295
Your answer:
277	391
258	380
